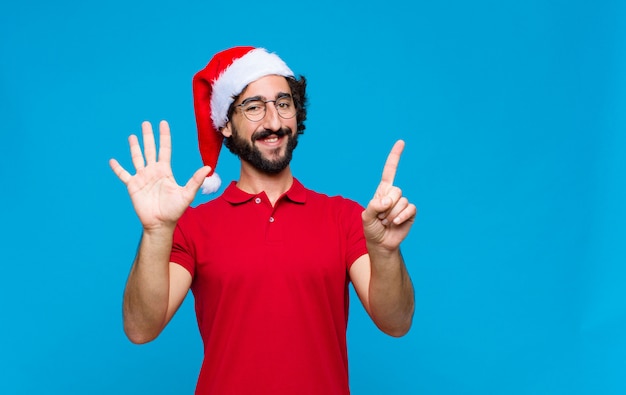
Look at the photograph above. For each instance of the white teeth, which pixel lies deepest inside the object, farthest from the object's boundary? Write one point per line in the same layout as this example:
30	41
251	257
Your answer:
272	140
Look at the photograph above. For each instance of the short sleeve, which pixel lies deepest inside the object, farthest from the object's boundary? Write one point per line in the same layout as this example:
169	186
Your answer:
182	247
353	226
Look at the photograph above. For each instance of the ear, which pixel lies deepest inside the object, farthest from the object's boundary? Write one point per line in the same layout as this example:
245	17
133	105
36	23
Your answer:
226	130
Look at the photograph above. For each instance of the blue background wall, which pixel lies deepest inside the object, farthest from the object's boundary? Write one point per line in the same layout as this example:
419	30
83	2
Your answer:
513	114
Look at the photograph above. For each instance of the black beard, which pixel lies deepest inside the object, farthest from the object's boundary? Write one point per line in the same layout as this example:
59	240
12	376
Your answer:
248	152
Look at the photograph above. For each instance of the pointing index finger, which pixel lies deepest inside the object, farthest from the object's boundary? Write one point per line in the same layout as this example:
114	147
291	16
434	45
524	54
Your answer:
391	165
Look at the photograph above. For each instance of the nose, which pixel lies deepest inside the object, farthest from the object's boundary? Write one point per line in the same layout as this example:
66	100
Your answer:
271	121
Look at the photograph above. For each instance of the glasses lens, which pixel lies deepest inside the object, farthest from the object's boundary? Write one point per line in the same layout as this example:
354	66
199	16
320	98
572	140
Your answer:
254	110
285	107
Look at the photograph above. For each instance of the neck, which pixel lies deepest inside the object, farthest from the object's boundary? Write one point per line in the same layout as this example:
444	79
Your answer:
274	185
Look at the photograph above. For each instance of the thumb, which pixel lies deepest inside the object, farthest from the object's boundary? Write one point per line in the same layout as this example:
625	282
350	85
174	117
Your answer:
376	209
197	179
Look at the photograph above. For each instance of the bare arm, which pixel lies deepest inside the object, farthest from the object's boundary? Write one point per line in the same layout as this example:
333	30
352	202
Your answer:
381	278
154	290
155	287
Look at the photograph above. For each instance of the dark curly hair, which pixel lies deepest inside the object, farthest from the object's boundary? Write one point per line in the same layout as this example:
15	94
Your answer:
298	93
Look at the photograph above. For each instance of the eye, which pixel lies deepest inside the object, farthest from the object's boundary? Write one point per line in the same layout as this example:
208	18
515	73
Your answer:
254	106
283	103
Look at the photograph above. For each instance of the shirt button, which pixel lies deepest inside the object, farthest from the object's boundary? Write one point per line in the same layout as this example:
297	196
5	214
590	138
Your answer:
271	219
257	200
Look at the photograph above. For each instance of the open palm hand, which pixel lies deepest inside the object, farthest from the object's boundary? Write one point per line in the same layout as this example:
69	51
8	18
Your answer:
157	198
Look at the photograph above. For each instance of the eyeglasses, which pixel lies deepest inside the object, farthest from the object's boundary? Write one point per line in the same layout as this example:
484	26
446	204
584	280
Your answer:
254	108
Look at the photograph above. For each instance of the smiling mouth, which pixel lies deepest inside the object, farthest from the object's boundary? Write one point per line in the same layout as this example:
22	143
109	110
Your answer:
268	136
271	139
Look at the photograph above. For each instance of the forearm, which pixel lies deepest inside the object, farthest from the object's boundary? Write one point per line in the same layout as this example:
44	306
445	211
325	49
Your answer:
391	296
146	296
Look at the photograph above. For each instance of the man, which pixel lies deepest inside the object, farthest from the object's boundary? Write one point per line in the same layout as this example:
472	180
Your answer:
268	262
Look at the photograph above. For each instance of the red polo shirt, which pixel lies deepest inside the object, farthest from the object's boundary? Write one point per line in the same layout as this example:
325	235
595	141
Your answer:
271	289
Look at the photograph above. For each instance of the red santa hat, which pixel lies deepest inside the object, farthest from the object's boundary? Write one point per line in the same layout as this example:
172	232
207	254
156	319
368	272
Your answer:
214	89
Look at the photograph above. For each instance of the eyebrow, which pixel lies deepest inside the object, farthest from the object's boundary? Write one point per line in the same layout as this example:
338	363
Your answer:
280	95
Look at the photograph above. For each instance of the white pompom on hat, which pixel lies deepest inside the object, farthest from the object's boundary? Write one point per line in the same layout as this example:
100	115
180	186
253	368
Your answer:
214	90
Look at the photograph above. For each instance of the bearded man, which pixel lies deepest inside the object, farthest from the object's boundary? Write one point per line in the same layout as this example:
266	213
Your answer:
269	262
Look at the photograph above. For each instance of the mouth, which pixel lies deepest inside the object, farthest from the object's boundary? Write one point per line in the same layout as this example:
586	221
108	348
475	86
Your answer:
270	137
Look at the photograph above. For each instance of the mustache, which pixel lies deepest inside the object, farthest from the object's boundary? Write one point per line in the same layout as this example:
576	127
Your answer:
263	134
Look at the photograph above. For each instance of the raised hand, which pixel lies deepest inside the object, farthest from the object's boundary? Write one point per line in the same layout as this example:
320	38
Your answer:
389	216
157	198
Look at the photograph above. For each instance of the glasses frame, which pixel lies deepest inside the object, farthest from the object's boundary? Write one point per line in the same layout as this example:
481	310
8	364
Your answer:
258	99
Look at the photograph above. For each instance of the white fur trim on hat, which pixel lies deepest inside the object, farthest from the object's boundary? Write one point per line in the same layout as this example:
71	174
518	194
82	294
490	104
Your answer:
255	64
211	184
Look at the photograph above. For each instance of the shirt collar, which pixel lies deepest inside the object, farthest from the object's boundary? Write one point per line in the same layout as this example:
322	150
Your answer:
234	195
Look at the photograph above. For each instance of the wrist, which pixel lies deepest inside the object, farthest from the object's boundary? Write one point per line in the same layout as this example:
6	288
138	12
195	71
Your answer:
378	251
159	232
